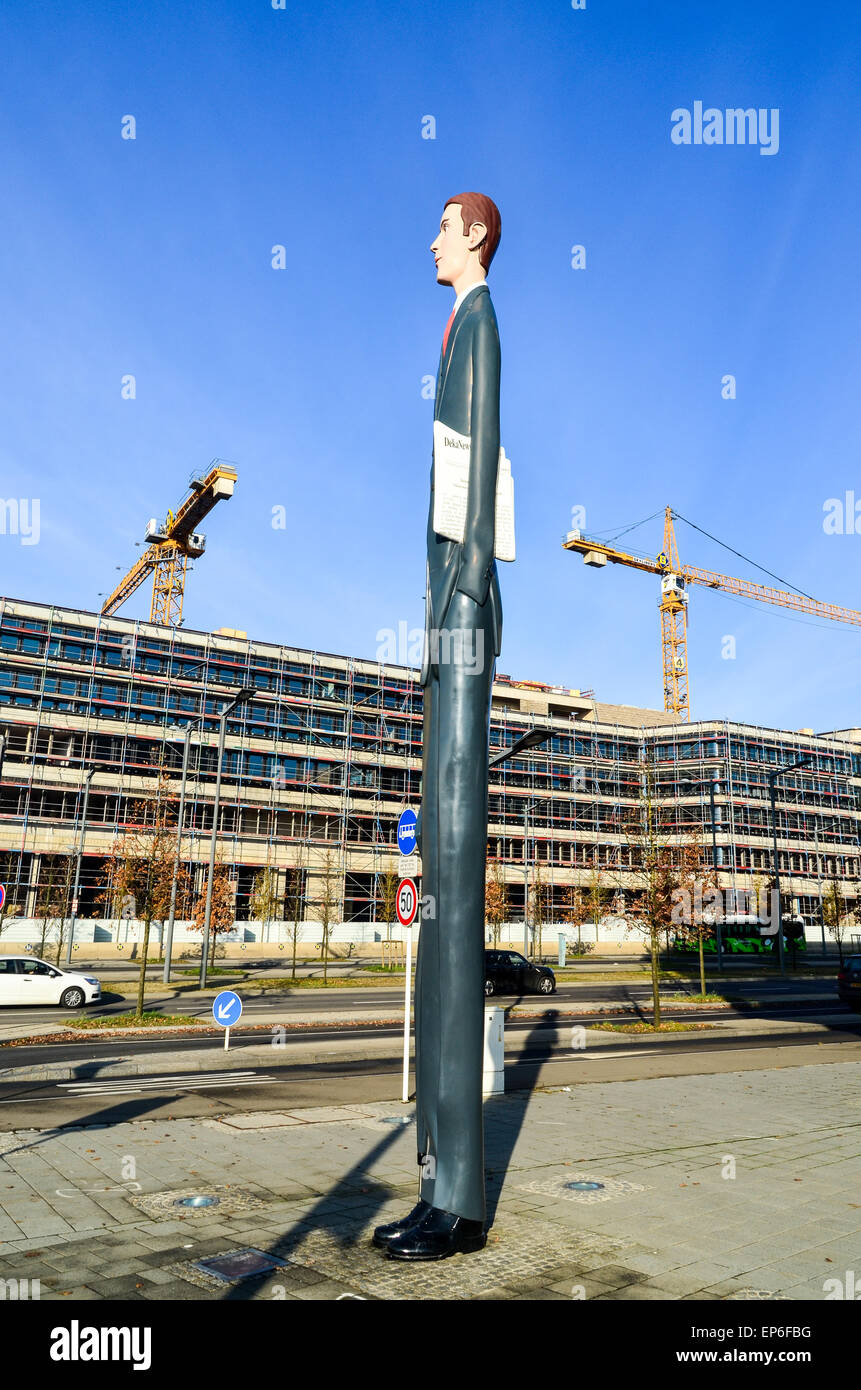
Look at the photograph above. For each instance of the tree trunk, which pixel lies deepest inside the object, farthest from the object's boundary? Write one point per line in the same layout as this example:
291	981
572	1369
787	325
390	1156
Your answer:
325	955
702	962
654	946
142	977
295	937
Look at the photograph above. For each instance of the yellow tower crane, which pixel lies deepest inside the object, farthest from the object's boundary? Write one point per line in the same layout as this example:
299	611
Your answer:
673	605
172	543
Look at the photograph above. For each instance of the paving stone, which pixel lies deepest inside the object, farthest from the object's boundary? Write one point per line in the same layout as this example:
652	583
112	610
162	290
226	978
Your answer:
72	1294
633	1292
678	1221
117	1287
156	1276
175	1291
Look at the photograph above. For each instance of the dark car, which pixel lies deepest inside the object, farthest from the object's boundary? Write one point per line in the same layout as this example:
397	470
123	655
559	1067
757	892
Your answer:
507	972
849	982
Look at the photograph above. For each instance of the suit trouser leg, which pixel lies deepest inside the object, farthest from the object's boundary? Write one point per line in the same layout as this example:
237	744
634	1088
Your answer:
450	972
426	1005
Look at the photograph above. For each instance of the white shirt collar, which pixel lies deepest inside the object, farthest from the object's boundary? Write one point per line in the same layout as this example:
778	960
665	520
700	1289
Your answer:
462	296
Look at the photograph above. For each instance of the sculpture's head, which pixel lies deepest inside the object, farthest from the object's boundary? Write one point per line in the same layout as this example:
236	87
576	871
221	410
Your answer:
469	233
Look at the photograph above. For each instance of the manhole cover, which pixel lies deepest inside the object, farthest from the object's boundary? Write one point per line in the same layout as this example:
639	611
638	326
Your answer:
767	1295
240	1264
180	1204
580	1187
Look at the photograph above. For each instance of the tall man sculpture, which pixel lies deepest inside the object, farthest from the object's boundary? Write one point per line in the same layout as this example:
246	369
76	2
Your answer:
463	630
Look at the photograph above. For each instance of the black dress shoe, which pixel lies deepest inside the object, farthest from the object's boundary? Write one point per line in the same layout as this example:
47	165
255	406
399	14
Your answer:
384	1235
437	1235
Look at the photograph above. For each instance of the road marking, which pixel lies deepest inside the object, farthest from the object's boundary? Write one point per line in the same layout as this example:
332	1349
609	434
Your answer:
148	1081
127	1086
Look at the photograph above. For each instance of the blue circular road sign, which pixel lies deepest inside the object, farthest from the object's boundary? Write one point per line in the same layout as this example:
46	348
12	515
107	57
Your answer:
407	832
226	1008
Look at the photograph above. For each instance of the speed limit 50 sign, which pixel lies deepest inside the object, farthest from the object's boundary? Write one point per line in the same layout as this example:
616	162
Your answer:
407	902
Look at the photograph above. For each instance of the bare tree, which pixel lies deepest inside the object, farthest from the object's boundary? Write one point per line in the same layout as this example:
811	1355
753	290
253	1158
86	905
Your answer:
495	900
837	919
295	903
222	911
589	901
540	910
652	874
265	900
11	907
697	900
52	900
139	872
388	890
329	905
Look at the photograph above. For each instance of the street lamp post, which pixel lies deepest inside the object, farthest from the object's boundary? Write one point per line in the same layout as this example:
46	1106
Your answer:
168	943
241	696
88	777
713	785
527	808
772	795
528	740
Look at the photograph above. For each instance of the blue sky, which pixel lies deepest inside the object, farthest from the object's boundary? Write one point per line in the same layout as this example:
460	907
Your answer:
303	127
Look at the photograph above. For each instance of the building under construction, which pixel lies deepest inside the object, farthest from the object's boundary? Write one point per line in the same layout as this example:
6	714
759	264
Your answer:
321	760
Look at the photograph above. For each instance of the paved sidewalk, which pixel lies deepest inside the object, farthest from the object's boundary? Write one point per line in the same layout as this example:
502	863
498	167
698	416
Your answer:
730	1186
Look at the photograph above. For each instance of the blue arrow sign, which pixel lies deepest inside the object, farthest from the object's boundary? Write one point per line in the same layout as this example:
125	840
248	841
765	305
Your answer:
407	832
226	1008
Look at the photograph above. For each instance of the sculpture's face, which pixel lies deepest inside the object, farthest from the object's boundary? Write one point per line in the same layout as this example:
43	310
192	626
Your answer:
452	251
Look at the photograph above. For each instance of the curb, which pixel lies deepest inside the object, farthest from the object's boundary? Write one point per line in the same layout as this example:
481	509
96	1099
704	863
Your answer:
184	1062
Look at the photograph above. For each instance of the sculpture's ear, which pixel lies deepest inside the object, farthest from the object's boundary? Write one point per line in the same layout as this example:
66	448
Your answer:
477	234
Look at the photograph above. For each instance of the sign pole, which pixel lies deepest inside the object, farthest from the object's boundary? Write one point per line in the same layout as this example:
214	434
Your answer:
226	1010
406	903
406	1086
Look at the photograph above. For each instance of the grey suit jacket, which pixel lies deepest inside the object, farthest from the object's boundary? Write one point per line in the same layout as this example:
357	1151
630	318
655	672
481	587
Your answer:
467	399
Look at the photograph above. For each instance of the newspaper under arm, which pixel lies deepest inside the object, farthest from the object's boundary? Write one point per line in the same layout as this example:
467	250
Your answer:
451	491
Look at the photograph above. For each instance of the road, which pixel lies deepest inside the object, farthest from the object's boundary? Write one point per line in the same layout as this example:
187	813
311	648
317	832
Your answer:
538	1053
365	999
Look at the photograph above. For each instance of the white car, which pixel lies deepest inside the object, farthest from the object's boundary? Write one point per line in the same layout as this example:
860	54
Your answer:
28	980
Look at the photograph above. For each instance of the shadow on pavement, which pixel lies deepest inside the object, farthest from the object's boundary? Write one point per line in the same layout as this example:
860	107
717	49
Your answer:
357	1180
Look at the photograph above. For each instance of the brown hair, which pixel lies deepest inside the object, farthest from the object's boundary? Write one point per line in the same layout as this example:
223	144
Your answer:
477	207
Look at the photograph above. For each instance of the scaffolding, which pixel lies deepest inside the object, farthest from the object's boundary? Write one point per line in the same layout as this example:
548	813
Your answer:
327	753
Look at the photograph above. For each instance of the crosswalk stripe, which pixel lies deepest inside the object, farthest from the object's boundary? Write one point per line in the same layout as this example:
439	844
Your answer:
138	1081
106	1089
116	1087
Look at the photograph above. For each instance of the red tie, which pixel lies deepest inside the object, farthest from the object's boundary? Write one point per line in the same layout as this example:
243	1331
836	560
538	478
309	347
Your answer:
447	331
